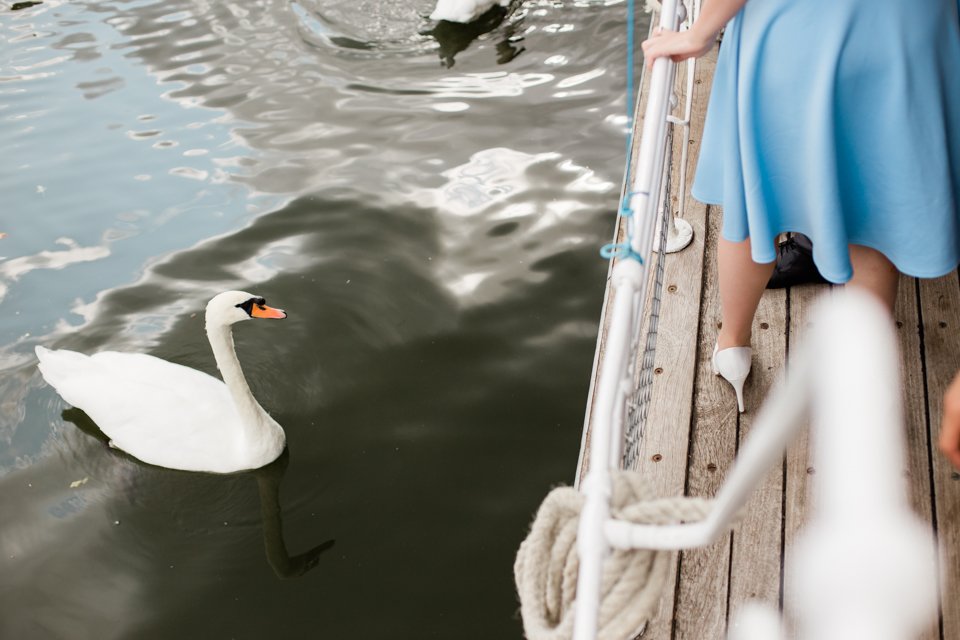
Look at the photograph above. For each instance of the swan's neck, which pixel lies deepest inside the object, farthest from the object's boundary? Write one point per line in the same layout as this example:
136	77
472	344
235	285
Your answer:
253	418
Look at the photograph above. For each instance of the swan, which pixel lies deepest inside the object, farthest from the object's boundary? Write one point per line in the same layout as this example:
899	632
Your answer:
170	415
464	10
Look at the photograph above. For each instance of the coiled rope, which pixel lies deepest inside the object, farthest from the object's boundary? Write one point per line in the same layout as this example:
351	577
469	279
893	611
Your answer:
547	562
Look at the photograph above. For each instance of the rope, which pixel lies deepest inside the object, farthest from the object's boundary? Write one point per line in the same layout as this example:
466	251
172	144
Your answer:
547	562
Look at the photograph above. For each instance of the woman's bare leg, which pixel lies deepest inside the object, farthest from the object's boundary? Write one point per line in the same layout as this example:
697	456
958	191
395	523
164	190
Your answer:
742	282
872	272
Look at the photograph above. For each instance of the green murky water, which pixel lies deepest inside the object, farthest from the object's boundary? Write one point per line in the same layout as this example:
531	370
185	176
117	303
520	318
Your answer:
428	209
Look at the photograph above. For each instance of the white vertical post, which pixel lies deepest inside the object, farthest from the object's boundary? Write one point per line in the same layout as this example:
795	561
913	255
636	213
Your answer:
646	180
679	231
592	545
865	568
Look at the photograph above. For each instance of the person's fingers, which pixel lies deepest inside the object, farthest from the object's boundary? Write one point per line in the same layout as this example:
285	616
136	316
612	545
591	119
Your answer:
649	55
663	42
950	451
950	423
950	439
654	48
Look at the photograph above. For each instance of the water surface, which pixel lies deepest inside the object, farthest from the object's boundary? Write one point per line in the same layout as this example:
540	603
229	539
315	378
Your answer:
426	202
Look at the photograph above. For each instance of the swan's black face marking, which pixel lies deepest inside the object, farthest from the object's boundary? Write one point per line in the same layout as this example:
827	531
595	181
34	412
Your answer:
257	308
249	304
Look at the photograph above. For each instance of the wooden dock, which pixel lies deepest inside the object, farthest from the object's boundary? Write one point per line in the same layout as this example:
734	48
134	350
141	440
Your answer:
693	431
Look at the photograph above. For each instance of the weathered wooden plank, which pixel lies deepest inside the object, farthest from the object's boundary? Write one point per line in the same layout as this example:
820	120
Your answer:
701	607
799	475
917	436
940	313
917	471
663	452
757	540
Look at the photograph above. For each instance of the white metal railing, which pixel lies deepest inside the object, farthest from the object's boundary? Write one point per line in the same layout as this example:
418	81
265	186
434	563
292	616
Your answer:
629	288
865	566
644	194
651	157
680	233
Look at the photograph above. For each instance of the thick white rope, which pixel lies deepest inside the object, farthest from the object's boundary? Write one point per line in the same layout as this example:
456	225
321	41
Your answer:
547	562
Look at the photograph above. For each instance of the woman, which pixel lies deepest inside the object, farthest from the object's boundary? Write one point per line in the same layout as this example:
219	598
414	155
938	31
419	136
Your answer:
838	119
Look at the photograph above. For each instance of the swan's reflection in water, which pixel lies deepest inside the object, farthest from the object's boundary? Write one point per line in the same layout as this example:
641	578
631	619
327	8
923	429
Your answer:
268	480
283	564
454	37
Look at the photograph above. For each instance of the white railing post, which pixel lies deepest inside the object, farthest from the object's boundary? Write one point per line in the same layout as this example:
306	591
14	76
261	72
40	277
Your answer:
865	567
592	546
646	179
679	231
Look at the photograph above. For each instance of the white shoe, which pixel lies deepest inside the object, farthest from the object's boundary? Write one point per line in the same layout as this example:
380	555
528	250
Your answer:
734	365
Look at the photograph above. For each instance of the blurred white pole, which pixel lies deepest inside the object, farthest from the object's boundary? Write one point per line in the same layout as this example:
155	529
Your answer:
865	568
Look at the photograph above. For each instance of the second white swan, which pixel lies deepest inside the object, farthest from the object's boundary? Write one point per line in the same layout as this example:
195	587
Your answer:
170	415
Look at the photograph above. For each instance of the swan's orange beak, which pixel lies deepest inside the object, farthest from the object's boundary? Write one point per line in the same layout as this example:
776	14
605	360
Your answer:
263	311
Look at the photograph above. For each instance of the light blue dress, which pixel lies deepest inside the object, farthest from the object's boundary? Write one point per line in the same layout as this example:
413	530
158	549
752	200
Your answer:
839	119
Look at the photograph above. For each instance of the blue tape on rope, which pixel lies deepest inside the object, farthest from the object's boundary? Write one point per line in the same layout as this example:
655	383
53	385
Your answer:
625	209
621	250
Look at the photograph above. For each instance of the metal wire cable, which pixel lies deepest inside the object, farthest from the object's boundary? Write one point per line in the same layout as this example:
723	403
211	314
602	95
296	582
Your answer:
638	403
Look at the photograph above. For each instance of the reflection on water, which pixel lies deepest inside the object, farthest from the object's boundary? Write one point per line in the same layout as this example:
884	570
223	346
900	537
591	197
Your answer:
453	37
381	29
426	199
13	269
268	480
282	563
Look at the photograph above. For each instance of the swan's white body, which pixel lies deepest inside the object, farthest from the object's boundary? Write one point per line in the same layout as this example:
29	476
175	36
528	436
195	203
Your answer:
464	10
170	415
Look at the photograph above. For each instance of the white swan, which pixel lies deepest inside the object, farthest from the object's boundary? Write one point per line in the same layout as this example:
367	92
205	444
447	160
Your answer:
170	415
464	10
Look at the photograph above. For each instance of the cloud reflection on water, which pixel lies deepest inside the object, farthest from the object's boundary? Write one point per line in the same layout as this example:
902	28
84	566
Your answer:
15	268
509	199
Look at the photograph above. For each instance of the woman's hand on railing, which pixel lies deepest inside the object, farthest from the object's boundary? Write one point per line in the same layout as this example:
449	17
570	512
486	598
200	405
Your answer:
695	41
677	45
950	425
